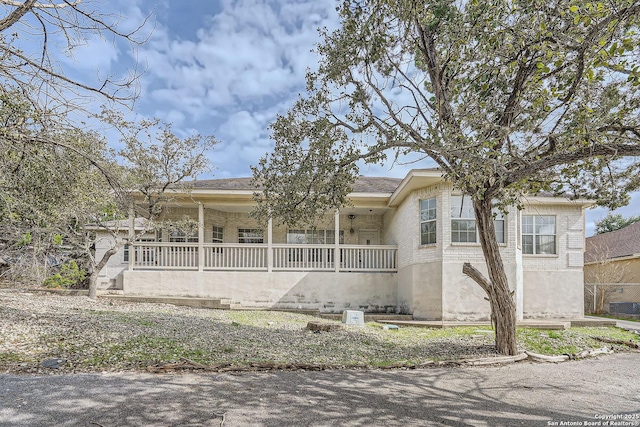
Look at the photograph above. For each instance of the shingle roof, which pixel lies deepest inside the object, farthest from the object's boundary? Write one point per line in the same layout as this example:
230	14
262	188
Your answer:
224	184
614	244
363	184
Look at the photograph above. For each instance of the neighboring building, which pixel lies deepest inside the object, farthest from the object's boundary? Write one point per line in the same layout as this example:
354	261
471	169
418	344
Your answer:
612	259
399	247
615	248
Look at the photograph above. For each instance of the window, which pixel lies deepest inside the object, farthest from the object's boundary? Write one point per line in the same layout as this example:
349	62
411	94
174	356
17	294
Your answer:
428	221
498	224
463	221
313	237
250	235
538	234
179	236
218	234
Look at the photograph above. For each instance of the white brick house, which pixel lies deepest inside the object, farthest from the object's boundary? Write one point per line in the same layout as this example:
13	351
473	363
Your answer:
399	247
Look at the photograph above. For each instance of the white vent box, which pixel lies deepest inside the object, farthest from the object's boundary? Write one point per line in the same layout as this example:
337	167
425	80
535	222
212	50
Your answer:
353	317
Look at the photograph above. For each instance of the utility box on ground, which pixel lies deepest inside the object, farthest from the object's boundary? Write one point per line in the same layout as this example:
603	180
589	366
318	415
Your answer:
353	317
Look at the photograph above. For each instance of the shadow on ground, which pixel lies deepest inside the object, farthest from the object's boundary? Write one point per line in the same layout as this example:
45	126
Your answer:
522	394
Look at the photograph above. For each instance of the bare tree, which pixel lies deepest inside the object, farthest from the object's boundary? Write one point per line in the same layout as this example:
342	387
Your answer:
156	161
35	34
603	272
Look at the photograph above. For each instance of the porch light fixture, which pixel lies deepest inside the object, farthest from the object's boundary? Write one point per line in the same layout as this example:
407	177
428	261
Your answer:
351	218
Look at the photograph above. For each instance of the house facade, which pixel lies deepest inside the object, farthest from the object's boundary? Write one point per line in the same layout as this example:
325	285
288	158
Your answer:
398	247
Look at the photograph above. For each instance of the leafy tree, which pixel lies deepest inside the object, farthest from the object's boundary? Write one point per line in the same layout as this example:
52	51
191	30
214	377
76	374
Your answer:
59	185
48	166
506	97
613	222
47	173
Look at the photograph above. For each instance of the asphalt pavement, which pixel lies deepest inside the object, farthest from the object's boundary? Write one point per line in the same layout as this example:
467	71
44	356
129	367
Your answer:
602	391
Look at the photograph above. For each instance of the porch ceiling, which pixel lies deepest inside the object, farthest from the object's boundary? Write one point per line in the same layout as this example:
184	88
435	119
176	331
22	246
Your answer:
242	202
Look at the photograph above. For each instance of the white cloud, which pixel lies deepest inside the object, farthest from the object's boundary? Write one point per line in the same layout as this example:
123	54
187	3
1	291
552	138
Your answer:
232	76
96	54
252	51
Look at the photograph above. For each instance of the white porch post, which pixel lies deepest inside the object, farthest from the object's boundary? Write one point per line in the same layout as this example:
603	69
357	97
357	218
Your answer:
132	232
336	249
270	245
200	237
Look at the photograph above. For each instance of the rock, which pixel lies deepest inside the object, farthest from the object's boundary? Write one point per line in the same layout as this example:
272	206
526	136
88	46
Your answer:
323	326
53	363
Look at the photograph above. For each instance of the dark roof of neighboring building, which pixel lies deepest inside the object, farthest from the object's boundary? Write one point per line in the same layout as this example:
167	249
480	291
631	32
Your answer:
614	244
363	184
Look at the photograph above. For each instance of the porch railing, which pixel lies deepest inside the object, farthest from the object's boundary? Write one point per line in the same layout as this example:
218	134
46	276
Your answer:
255	257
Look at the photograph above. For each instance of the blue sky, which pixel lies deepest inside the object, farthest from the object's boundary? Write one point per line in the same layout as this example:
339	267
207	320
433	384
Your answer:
226	68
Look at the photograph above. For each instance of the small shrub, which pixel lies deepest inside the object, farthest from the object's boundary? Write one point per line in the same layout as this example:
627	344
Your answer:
69	275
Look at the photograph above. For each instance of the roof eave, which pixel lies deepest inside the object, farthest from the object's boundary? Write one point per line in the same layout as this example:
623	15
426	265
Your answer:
549	200
415	179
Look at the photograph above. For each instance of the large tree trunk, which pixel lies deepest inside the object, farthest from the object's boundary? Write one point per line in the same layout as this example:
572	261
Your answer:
93	284
503	308
97	268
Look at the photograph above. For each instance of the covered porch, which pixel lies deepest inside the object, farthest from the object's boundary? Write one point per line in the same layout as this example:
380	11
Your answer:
226	238
347	260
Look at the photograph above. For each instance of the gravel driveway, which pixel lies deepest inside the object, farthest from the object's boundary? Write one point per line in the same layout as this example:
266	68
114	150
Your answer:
524	394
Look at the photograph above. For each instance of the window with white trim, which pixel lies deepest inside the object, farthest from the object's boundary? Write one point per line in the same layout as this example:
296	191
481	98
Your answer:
539	234
463	221
250	235
428	221
313	237
218	234
179	236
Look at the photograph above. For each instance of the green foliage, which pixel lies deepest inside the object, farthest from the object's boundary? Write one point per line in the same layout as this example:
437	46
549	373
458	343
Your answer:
48	171
70	274
25	239
569	341
613	222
